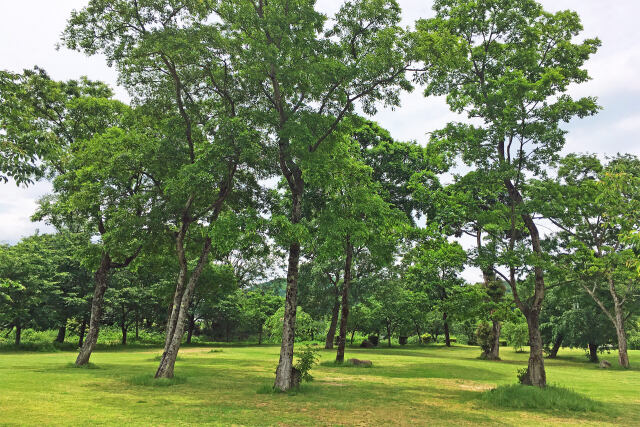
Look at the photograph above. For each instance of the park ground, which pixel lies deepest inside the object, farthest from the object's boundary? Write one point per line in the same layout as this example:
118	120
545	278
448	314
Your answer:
230	385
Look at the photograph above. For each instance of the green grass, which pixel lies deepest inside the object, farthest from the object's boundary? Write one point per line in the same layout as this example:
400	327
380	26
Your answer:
410	385
551	398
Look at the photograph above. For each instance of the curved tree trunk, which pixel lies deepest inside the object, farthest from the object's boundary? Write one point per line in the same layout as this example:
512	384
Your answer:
623	356
96	311
168	360
344	316
331	335
556	346
593	352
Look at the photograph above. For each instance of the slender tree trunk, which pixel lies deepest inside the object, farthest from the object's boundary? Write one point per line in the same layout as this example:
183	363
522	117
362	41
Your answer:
285	377
556	346
62	332
83	329
91	339
137	324
536	374
123	325
494	353
18	334
447	338
352	334
623	356
344	316
389	334
260	335
331	335
168	360
593	352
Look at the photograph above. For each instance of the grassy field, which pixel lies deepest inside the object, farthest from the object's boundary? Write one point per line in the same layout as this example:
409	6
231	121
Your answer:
431	385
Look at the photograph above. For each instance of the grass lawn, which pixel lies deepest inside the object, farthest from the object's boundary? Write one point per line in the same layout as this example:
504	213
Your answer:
431	385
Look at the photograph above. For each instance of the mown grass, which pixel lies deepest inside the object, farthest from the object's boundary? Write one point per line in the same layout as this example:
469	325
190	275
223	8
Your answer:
411	385
550	398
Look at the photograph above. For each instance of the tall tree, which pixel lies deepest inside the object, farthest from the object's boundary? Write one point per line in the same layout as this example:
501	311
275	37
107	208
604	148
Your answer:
179	68
515	65
310	75
595	206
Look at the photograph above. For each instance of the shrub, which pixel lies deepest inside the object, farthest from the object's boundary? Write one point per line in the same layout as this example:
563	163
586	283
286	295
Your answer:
374	339
307	359
402	340
426	338
485	335
522	375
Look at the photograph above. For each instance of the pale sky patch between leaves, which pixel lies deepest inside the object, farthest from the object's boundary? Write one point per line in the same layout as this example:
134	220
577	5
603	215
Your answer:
30	30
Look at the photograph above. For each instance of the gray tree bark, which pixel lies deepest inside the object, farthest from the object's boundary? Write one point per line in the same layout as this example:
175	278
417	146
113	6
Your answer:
344	316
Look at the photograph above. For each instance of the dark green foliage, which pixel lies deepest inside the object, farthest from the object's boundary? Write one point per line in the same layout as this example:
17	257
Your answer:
484	333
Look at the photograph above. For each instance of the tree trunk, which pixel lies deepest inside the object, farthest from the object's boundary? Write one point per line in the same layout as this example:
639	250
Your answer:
494	353
170	353
623	357
18	334
123	325
91	339
593	352
137	325
260	335
536	375
344	315
331	335
352	334
447	338
388	334
556	346
62	332
192	324
83	328
285	378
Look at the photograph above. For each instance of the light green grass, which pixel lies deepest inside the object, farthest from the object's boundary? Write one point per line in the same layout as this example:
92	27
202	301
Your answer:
412	385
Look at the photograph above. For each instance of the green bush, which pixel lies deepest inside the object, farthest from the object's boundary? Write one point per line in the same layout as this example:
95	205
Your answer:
484	333
307	359
426	338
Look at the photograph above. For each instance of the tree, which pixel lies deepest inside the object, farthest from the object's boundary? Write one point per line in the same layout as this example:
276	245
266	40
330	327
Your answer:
434	265
309	77
203	110
595	207
514	66
98	182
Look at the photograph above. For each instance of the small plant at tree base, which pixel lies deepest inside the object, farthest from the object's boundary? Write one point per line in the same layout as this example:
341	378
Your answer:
307	359
522	375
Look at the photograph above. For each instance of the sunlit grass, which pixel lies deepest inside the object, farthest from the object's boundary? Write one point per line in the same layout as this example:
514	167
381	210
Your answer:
410	385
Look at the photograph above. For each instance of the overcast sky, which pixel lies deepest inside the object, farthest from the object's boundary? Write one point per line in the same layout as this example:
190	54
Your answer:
30	29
